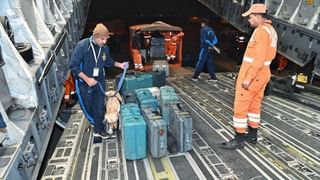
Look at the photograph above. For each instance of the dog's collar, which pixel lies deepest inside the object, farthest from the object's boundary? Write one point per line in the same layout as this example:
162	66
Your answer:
120	100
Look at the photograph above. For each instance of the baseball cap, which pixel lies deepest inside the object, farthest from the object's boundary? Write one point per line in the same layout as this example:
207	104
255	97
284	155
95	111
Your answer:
256	8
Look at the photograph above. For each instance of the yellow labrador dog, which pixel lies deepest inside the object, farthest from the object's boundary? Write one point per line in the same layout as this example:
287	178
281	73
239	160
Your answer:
112	110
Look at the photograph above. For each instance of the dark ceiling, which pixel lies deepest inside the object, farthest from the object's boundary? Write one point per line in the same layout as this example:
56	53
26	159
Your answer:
104	10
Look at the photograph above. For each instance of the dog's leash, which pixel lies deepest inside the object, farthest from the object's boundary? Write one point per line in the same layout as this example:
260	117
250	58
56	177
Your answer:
126	66
120	81
88	116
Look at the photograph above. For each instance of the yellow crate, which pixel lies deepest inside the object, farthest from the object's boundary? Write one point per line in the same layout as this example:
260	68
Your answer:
301	78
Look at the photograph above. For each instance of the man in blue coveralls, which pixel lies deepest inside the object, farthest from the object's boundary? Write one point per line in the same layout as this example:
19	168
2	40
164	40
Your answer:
87	64
208	40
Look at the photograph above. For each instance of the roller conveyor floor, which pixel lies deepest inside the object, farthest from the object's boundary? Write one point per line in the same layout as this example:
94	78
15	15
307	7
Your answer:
288	144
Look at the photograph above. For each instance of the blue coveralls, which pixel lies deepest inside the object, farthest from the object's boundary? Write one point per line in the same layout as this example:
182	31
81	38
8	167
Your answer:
207	39
92	99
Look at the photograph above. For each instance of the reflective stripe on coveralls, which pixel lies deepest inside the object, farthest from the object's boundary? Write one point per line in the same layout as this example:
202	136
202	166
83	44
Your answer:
260	51
137	60
135	52
174	41
167	38
172	49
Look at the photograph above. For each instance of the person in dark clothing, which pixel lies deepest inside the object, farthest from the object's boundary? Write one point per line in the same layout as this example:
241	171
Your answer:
147	43
87	64
208	40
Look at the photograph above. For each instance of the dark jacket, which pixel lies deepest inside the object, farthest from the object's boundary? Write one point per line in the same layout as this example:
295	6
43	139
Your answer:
82	59
136	42
207	37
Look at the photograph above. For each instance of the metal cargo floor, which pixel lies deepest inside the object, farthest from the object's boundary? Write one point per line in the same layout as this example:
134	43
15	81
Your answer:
288	144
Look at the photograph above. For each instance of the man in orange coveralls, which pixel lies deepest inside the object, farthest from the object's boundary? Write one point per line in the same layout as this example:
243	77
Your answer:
253	77
135	51
173	43
167	37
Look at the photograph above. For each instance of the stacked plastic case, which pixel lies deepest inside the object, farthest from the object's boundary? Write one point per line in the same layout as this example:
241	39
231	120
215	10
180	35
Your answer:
136	81
133	132
156	133
161	65
167	97
159	78
181	126
146	99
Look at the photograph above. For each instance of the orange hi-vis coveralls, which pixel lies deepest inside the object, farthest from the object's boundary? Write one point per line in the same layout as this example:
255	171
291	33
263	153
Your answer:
135	52
172	49
261	50
167	38
69	88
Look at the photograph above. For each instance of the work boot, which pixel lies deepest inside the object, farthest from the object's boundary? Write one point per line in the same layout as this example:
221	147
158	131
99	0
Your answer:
102	135
251	136
236	143
212	79
194	79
